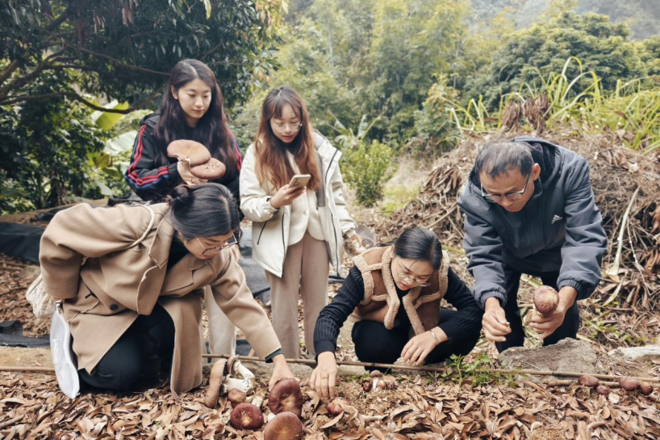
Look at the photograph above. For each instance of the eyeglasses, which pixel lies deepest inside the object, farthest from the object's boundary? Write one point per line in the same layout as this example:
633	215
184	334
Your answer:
411	280
293	127
512	196
214	250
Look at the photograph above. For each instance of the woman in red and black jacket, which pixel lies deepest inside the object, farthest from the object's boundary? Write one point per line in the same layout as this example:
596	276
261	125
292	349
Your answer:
192	109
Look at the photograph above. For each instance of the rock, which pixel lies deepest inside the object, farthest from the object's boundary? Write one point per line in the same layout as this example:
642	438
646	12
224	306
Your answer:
642	354
568	355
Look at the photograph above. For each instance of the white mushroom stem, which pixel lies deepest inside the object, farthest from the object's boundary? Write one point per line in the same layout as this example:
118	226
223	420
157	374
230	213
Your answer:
270	417
375	385
257	401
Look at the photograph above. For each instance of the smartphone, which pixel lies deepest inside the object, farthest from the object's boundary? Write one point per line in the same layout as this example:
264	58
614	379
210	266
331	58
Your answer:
299	180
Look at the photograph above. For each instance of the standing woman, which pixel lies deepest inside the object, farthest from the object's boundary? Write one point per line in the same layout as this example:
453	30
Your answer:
135	310
192	109
296	231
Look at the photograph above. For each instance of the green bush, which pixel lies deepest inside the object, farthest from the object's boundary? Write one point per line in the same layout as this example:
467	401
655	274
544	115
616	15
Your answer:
366	170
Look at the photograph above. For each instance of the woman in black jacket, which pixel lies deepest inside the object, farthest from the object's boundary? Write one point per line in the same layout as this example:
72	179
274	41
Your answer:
192	109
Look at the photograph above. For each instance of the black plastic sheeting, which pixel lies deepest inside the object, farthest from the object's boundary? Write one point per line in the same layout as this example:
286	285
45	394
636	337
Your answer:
20	241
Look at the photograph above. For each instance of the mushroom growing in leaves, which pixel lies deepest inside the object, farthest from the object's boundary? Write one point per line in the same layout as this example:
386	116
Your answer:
246	416
215	381
236	397
645	388
189	151
588	381
286	396
335	406
285	426
628	383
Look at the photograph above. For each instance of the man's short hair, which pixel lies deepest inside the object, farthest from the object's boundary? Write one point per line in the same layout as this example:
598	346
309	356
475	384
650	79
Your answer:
498	158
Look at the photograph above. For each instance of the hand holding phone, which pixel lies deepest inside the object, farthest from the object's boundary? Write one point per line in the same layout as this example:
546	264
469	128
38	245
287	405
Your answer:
288	193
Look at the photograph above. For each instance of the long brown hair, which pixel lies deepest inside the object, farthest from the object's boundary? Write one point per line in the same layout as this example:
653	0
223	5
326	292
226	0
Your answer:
272	164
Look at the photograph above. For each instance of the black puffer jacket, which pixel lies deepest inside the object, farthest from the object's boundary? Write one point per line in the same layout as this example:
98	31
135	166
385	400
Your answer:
559	229
153	179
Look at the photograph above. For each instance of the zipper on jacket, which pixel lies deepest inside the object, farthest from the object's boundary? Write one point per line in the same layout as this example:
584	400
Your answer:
337	263
283	246
262	231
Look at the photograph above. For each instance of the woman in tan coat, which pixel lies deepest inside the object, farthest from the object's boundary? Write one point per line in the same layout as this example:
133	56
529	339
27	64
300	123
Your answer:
135	310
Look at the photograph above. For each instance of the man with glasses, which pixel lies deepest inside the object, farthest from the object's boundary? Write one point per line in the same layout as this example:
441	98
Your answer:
529	208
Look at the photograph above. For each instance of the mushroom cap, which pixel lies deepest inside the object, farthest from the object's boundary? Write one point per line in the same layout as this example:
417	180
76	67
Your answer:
628	383
285	426
190	151
215	381
645	388
246	416
286	396
211	170
335	406
546	300
588	381
601	389
236	397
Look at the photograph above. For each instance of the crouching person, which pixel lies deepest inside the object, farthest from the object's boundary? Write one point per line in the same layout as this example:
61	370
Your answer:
395	294
135	310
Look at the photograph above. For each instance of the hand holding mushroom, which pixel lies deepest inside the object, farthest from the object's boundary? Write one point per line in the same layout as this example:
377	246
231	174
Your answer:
551	309
281	370
195	164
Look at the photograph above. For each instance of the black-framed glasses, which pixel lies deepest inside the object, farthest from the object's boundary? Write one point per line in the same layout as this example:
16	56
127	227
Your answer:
215	249
410	280
512	196
280	126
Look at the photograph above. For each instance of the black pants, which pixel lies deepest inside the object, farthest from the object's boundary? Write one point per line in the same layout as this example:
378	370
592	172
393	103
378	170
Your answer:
374	343
516	338
141	353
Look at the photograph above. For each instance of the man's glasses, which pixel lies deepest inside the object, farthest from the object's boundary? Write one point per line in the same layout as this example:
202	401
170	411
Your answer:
512	196
214	250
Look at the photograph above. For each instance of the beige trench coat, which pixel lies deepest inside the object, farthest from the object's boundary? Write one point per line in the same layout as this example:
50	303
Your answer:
118	282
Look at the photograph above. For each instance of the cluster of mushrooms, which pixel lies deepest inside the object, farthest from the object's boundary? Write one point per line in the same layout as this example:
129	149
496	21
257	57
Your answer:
626	383
198	157
285	402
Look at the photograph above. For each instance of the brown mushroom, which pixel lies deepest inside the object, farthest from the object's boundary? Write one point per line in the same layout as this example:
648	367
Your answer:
645	388
189	151
215	381
546	300
285	426
376	373
629	383
236	397
387	383
286	396
367	385
246	416
335	407
602	389
588	381
211	170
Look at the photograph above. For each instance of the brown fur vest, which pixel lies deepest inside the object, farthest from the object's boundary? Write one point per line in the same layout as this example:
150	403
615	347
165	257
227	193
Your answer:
381	302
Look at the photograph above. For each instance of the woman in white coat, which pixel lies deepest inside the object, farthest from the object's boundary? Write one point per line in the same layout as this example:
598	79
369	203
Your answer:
297	231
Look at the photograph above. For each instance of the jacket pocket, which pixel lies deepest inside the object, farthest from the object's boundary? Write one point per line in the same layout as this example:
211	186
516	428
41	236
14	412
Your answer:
262	231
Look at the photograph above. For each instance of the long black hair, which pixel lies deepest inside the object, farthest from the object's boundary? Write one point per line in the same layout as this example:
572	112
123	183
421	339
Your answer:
205	210
419	244
211	130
